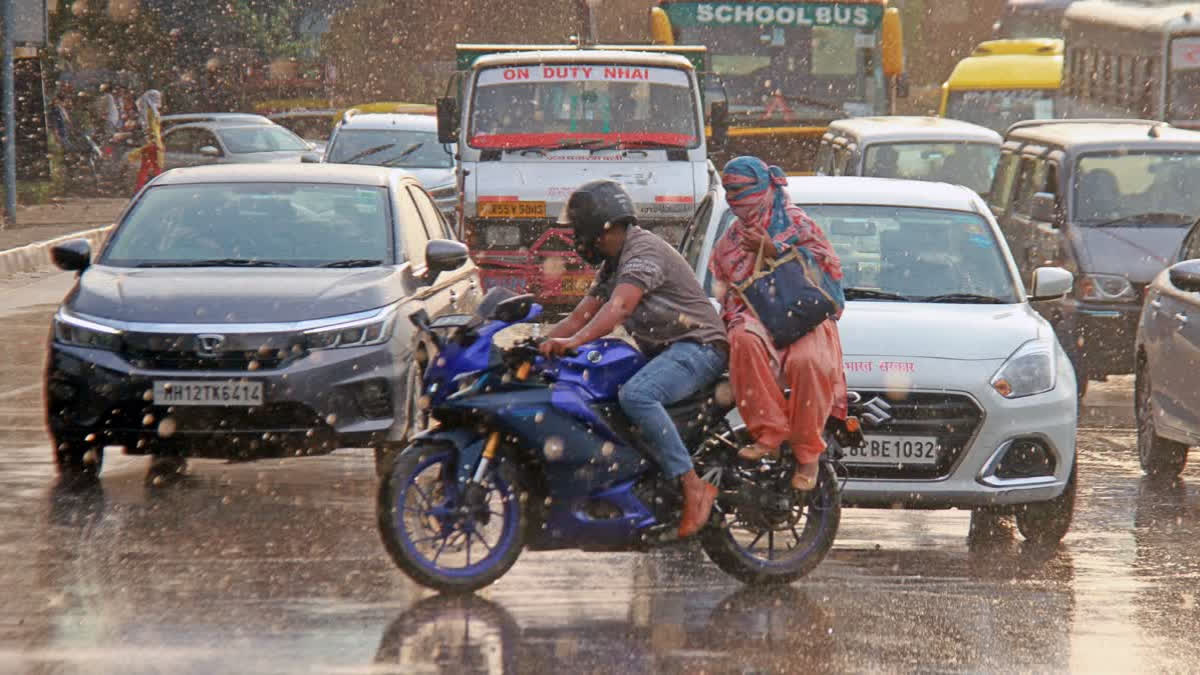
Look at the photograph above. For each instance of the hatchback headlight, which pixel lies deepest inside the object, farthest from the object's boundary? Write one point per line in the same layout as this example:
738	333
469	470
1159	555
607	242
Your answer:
361	333
1105	288
501	235
1030	370
79	332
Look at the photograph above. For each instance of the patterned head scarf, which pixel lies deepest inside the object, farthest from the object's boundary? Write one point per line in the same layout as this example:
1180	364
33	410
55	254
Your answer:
757	195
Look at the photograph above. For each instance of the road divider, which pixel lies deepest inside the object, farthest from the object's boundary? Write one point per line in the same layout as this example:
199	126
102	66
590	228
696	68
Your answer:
36	256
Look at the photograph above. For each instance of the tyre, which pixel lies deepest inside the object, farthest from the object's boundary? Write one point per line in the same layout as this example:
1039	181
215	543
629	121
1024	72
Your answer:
78	460
452	634
751	553
1046	523
1159	457
443	537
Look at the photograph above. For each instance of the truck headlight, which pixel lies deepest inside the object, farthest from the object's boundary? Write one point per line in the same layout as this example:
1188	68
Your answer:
360	333
495	236
1105	288
79	332
1030	370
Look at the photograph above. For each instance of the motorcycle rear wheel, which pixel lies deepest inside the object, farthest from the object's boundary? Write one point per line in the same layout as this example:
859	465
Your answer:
792	550
428	528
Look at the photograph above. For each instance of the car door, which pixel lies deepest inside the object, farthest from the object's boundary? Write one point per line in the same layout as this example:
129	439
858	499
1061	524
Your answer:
1171	336
454	291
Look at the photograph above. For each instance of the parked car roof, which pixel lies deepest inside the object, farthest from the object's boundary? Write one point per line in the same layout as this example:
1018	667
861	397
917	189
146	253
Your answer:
1101	133
900	128
215	118
390	121
351	174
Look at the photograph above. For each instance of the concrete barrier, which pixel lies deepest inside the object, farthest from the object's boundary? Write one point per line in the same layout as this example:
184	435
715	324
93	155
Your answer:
36	256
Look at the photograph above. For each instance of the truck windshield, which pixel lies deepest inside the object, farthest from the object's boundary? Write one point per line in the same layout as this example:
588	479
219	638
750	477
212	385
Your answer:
789	62
998	109
555	106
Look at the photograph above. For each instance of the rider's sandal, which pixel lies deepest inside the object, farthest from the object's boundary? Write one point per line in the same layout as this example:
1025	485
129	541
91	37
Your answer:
802	480
757	451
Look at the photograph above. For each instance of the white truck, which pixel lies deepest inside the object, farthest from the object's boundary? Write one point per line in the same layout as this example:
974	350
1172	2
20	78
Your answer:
533	122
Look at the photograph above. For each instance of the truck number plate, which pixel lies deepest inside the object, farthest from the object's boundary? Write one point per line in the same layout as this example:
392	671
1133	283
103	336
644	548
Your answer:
512	210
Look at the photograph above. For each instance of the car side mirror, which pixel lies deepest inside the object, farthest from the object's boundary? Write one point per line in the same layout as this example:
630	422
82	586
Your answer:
210	151
1050	283
1185	276
718	121
73	255
310	158
1042	208
447	119
443	255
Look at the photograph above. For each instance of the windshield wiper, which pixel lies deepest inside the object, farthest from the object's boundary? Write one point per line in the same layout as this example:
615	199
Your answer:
219	262
1143	218
873	294
367	153
405	153
354	262
965	298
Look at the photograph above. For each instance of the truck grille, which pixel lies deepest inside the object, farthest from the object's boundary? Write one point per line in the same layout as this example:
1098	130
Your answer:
952	418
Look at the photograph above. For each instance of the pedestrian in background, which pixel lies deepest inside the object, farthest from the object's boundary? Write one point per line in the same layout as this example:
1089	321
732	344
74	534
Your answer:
153	152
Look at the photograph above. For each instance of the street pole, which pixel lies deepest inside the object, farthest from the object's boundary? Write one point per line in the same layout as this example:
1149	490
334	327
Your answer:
8	101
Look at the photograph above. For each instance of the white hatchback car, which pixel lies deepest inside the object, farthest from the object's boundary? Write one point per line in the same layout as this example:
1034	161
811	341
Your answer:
966	398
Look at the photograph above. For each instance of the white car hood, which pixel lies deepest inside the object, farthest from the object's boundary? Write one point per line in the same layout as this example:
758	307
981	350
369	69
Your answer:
936	330
661	189
431	177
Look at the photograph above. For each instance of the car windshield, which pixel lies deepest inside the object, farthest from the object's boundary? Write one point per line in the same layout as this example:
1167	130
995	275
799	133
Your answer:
296	224
549	106
968	164
248	140
390	147
912	253
998	109
1147	187
1184	101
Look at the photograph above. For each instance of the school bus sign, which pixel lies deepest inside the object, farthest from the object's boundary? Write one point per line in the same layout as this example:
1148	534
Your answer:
799	14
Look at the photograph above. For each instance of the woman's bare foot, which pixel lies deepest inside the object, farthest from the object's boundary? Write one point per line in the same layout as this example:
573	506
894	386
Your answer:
755	452
805	476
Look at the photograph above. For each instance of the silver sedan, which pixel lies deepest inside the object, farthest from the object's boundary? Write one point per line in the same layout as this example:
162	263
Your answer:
205	143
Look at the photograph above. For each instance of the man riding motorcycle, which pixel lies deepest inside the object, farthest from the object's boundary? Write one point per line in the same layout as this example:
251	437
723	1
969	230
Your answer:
645	285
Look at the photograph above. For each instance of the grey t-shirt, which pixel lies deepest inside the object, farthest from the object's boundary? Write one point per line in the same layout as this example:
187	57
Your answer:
673	308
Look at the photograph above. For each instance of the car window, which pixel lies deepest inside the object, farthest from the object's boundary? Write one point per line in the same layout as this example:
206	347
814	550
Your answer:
434	228
297	224
1191	246
412	229
390	147
697	232
968	164
179	140
1006	174
1029	181
1113	186
248	140
916	252
824	162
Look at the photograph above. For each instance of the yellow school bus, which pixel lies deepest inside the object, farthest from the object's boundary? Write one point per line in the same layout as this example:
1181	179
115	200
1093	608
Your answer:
1006	81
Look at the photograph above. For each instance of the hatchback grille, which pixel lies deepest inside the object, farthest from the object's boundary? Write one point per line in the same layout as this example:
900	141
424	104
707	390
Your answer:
952	418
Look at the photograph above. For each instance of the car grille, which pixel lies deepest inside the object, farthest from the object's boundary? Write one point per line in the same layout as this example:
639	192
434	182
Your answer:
952	418
238	352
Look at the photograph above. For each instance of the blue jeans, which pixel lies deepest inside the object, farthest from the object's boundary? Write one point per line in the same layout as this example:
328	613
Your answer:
680	371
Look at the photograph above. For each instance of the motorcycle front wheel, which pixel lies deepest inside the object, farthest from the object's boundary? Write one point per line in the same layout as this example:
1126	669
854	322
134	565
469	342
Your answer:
785	547
442	536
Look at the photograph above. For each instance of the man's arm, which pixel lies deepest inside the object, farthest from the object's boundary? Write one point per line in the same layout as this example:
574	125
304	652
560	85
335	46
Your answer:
578	318
624	300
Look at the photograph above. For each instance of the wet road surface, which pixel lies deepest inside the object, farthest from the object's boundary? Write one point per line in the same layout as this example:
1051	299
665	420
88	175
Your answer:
275	566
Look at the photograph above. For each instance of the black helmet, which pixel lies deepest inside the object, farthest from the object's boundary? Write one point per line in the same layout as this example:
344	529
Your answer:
595	205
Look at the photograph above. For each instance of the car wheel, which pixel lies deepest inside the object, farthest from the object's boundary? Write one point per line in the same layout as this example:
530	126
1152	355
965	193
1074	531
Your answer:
78	460
1046	523
1159	457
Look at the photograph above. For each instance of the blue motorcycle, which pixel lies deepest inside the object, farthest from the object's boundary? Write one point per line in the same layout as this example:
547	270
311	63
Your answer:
525	452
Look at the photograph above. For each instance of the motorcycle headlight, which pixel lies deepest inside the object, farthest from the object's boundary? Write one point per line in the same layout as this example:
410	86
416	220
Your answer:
495	236
1105	288
360	333
79	332
1030	370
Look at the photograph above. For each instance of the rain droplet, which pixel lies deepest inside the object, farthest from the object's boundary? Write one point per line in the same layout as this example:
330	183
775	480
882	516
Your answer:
539	417
90	457
331	419
147	420
607	449
253	365
553	448
89	438
148	395
167	427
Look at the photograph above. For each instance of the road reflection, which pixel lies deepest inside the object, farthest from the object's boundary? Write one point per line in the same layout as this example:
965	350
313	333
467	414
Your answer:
1167	561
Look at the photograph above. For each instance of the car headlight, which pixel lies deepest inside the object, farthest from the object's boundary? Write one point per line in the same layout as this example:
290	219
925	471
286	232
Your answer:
502	235
360	333
79	332
1030	370
1105	288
